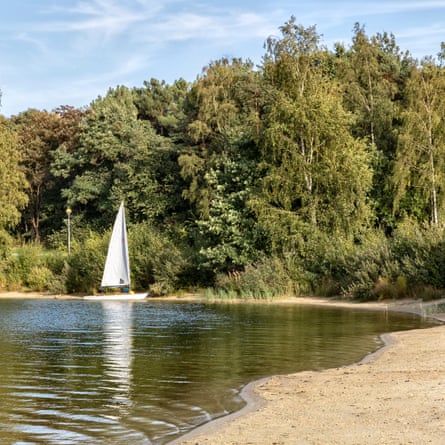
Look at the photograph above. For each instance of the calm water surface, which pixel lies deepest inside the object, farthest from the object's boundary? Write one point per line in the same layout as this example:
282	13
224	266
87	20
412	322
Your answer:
121	373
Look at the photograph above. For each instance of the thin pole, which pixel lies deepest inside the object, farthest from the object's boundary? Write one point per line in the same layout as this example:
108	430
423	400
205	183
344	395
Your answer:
68	212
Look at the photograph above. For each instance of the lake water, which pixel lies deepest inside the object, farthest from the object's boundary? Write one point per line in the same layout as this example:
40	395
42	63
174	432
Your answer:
121	373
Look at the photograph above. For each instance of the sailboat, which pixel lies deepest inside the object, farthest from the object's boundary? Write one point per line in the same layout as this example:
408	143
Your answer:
116	273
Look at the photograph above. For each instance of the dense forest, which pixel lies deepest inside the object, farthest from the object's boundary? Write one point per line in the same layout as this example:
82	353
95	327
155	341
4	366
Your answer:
322	171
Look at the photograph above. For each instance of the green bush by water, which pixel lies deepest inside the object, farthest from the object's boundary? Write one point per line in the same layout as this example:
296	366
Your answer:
30	267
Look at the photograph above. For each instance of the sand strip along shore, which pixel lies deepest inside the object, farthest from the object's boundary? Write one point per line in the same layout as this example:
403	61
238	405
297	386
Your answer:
394	396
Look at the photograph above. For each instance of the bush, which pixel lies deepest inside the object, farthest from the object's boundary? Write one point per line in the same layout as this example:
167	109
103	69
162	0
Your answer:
410	264
371	263
156	260
39	278
384	289
31	267
421	253
85	263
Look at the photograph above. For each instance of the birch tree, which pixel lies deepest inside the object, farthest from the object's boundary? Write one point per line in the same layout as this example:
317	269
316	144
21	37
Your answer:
373	73
316	174
419	173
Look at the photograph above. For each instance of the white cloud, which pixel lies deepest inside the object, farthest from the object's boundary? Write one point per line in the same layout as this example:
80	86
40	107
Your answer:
25	37
185	26
102	16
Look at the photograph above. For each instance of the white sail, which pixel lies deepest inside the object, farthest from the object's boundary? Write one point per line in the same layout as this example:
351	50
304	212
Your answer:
117	265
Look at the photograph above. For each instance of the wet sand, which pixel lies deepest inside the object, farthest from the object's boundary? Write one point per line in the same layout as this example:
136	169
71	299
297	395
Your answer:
394	396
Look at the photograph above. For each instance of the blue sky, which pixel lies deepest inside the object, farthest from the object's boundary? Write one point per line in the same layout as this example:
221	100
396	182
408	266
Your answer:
68	52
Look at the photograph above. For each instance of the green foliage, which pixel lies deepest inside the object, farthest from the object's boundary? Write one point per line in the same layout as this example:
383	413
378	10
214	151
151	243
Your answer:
266	279
47	141
420	250
314	170
33	268
410	264
221	125
419	173
37	141
373	73
162	105
219	164
229	237
156	261
86	263
370	264
119	157
12	180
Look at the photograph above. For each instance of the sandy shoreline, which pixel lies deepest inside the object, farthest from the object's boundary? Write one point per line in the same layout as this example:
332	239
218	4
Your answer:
394	396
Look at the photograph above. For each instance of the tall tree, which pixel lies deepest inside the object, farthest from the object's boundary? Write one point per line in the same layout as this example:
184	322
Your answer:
67	134
37	141
219	160
162	104
420	168
373	73
12	180
119	157
46	140
317	175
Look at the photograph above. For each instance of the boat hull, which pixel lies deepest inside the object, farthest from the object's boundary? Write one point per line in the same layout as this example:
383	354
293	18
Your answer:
114	297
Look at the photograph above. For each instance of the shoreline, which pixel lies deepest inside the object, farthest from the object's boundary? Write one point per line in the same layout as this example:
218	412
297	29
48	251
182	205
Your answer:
251	394
395	395
319	407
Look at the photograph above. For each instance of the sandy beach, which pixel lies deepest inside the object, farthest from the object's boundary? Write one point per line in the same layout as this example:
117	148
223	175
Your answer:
394	396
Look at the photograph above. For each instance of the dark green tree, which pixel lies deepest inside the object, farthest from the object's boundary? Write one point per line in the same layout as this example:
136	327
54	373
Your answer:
12	181
219	162
119	157
162	105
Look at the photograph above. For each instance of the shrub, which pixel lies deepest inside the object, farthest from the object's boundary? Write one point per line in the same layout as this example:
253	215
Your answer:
85	263
39	278
421	253
31	267
384	289
156	260
370	264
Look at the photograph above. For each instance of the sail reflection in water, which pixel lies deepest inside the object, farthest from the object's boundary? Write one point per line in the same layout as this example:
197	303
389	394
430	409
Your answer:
118	357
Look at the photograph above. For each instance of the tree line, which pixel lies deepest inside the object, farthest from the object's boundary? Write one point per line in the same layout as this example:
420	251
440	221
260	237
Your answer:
320	171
